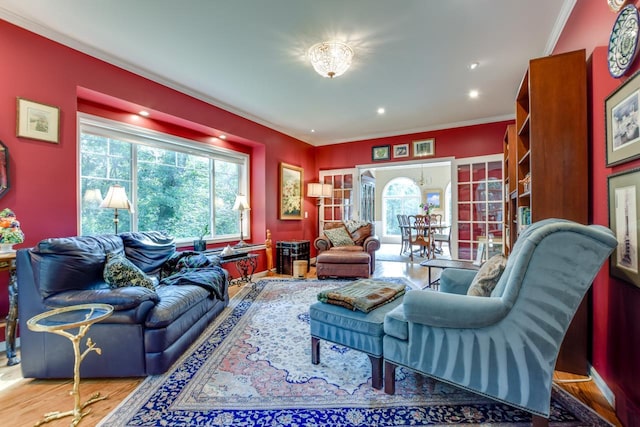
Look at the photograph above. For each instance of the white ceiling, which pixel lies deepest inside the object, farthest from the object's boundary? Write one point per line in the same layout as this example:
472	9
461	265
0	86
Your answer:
248	56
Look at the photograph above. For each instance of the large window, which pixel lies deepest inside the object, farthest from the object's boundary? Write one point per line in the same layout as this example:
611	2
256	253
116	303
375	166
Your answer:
181	187
400	196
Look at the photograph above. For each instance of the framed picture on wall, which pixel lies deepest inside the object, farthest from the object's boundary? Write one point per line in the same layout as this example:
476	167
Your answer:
434	198
38	121
424	148
291	181
622	122
380	152
624	198
401	150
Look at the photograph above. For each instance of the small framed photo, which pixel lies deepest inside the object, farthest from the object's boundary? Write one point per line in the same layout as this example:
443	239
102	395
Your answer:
401	150
434	198
624	198
622	120
380	152
426	147
38	121
291	179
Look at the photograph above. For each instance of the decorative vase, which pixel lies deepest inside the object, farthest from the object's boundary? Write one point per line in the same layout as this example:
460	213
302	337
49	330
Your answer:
6	247
199	245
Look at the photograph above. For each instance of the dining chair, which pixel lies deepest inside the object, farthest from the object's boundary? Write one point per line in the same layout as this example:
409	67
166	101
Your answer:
441	233
420	235
403	222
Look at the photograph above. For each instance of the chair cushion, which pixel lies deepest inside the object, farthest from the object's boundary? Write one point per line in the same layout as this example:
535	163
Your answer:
339	236
488	276
120	272
343	257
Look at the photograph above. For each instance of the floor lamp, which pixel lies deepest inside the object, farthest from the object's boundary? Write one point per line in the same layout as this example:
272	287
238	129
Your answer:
116	198
320	191
241	205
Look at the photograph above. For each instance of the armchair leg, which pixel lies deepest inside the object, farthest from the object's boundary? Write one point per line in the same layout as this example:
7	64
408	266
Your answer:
389	377
315	350
538	421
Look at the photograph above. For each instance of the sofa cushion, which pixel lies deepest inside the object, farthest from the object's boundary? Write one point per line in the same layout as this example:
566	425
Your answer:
339	236
119	272
72	263
148	250
488	276
174	301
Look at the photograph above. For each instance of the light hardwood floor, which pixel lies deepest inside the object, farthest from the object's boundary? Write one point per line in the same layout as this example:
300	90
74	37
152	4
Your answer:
24	401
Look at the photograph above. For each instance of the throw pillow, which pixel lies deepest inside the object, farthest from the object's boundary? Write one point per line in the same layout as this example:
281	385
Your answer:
119	272
360	234
339	237
488	276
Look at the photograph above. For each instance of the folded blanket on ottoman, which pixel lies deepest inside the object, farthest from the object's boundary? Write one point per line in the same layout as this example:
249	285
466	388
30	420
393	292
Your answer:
364	295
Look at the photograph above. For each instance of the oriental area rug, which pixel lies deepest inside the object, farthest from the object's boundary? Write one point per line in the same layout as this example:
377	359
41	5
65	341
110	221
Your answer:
252	367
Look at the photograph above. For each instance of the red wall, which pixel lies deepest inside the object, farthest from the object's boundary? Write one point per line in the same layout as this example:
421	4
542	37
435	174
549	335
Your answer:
616	319
43	176
467	141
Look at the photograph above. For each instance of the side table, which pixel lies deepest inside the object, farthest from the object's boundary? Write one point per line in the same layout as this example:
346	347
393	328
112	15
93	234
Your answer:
245	264
446	263
60	321
8	263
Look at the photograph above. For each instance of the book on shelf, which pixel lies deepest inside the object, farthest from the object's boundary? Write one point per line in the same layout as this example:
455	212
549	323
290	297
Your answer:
524	217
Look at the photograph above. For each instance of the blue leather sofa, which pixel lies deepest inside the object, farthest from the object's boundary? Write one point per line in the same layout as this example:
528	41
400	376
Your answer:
149	328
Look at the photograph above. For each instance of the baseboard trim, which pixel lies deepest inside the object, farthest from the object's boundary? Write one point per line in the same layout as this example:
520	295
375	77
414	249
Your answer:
603	387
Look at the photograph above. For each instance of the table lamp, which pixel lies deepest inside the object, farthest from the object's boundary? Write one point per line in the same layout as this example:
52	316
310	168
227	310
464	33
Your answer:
116	198
241	204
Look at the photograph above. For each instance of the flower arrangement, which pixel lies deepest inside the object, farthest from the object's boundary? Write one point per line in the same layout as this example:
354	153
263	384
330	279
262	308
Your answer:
10	232
427	208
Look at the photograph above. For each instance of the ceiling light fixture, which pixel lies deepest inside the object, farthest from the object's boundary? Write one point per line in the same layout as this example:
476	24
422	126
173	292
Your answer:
330	59
474	65
381	110
473	94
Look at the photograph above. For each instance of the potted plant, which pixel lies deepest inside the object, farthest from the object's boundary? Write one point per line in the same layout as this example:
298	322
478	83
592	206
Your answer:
10	232
200	245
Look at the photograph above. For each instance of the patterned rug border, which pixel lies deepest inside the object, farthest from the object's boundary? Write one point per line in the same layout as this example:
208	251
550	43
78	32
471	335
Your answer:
480	413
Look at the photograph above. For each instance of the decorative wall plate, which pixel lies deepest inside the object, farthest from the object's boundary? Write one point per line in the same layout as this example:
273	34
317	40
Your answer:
616	5
623	42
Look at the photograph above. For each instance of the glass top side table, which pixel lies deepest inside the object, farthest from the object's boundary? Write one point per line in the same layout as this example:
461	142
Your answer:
64	321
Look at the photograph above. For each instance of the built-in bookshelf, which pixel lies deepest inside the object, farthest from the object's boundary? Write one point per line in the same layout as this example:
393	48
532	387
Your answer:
546	165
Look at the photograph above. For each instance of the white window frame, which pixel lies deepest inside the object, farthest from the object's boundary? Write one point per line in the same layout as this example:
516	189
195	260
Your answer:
144	136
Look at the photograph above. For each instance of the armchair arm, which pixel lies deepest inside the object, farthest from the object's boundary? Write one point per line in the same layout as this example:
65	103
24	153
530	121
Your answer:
322	244
453	311
456	280
371	244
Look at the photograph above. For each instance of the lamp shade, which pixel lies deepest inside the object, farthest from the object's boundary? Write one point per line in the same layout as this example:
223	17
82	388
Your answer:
116	198
317	189
93	195
241	203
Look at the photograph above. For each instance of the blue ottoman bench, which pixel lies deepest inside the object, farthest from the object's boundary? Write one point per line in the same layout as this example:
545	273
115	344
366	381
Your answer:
351	328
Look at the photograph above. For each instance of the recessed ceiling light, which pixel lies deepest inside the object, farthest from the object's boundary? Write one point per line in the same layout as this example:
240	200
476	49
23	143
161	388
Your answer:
313	130
474	65
381	110
144	113
222	136
473	93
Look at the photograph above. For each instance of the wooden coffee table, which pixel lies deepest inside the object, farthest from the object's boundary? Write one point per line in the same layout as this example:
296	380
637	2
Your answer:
446	263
